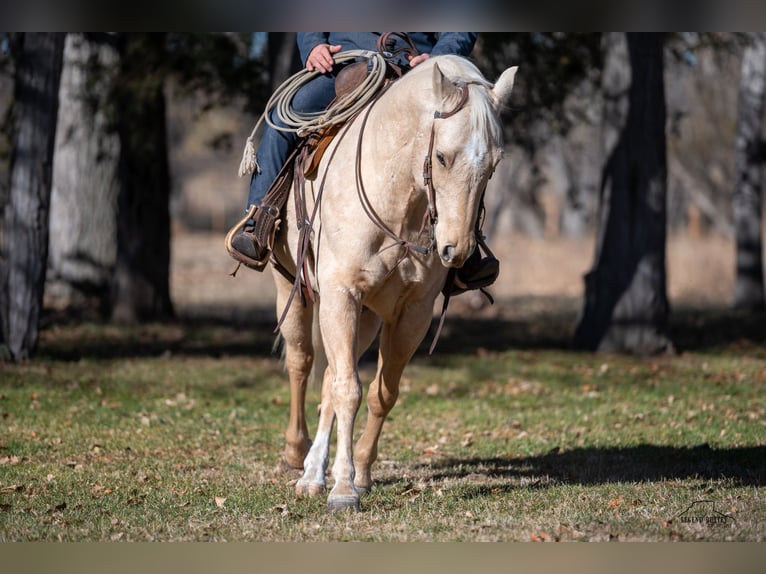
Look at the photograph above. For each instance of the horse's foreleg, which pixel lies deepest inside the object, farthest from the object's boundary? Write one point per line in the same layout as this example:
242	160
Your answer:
398	343
313	480
339	318
299	357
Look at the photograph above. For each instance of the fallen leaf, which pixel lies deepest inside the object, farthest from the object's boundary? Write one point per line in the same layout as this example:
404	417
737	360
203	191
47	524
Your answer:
12	488
220	501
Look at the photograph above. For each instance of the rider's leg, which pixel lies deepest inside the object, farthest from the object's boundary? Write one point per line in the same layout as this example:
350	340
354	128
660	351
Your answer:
274	148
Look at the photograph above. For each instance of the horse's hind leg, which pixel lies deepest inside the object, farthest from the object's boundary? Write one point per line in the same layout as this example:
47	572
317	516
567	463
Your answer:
299	357
398	342
315	464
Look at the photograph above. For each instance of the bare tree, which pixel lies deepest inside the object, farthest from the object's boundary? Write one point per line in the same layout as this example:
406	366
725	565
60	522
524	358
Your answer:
38	60
747	209
283	57
141	288
626	306
83	215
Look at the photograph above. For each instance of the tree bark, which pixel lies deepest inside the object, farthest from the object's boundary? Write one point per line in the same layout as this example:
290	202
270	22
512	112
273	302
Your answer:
626	306
283	57
142	285
747	209
83	215
38	59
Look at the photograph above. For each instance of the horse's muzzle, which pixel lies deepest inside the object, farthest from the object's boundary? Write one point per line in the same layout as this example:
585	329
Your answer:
450	256
447	254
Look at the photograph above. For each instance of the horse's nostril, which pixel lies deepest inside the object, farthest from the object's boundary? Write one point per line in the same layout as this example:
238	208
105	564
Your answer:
448	252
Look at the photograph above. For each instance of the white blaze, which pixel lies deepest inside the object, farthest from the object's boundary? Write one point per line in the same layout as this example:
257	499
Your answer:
475	150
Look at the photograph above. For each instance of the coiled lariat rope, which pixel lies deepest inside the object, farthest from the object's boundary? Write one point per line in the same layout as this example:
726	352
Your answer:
303	123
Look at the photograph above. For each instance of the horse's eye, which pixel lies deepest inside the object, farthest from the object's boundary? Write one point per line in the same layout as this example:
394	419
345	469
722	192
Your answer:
440	157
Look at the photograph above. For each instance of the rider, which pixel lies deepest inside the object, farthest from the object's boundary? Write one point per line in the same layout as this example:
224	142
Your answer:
316	51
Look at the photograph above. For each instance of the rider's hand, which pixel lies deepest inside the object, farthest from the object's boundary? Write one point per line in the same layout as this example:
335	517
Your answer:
320	58
418	59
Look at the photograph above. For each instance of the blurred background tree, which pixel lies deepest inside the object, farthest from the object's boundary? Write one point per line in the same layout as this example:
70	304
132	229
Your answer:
36	72
748	191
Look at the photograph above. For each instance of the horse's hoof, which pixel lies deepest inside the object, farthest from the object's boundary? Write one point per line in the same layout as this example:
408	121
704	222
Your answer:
343	502
309	488
294	457
363	490
284	467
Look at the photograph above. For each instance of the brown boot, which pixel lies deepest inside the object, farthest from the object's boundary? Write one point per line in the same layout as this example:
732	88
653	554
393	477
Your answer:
476	273
242	240
246	243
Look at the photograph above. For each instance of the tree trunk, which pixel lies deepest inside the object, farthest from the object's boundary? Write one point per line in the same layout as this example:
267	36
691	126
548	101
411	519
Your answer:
626	306
38	60
83	226
141	284
283	57
747	211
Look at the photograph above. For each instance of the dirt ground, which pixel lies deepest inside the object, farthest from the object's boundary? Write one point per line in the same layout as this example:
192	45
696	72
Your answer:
700	273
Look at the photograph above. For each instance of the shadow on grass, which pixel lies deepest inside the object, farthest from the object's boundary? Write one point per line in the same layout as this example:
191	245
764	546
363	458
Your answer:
744	466
524	323
551	327
218	333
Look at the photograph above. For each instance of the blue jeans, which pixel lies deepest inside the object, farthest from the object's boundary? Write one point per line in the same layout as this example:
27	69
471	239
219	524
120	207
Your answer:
276	145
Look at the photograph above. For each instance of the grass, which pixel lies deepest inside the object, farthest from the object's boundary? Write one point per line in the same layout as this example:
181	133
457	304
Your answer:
173	432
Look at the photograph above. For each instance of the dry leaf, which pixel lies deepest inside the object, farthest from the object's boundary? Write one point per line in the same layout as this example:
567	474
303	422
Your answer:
220	501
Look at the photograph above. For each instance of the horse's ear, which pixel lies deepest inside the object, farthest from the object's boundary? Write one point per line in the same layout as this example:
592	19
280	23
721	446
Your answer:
504	85
443	86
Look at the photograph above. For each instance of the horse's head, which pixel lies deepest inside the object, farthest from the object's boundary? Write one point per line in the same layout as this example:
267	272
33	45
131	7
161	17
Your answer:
466	145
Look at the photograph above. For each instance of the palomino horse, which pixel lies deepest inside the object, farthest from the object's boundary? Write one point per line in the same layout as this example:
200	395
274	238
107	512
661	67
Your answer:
383	239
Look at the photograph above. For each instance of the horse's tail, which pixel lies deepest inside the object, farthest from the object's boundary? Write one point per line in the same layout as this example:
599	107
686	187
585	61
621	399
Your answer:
320	357
278	348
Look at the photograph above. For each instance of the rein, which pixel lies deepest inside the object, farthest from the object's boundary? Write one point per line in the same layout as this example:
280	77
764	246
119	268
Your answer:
431	217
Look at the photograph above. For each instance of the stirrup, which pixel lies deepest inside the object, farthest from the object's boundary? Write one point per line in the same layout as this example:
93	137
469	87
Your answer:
260	263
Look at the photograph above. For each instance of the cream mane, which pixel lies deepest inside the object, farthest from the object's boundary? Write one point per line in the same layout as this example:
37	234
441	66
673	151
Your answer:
483	106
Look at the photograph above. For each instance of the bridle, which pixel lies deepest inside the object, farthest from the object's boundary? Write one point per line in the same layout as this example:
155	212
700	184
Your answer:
428	179
431	216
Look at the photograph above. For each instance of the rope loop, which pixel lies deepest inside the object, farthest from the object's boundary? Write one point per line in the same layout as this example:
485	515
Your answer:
304	123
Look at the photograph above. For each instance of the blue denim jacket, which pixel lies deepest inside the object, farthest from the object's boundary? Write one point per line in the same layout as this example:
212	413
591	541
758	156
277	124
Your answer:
434	43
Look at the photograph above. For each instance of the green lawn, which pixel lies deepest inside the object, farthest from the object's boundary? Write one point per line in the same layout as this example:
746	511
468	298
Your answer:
173	432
